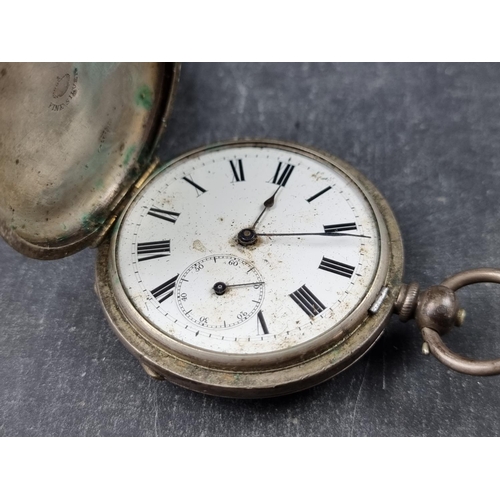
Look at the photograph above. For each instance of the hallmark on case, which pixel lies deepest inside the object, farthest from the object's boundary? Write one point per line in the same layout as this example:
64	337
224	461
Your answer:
63	90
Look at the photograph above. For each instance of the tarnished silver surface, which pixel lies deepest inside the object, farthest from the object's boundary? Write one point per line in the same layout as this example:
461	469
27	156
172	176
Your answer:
438	311
285	372
74	137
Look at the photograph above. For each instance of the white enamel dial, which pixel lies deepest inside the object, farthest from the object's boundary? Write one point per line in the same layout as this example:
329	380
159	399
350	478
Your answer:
179	238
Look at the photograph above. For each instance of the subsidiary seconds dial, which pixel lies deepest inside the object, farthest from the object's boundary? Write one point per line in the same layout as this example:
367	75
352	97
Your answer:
220	291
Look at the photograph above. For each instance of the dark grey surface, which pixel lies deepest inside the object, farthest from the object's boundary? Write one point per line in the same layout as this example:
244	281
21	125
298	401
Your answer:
427	135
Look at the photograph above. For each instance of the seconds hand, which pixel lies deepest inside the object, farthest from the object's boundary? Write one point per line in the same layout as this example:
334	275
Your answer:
246	284
220	287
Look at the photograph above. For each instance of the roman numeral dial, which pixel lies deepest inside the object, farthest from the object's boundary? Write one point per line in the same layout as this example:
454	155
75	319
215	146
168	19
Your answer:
317	195
307	301
332	266
153	250
199	189
167	215
165	290
340	228
282	174
238	172
262	323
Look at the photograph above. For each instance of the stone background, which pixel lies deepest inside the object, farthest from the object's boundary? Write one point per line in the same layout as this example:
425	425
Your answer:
426	134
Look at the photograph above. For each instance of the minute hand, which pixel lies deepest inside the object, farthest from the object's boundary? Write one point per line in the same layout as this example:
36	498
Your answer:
314	234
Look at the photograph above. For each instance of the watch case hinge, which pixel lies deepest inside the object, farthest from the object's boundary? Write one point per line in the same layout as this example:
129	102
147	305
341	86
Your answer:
104	230
145	176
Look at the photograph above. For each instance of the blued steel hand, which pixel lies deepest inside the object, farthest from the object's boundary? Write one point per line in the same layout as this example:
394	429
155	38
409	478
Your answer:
267	204
314	234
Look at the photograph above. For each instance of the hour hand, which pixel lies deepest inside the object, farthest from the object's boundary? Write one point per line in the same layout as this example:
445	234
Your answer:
267	204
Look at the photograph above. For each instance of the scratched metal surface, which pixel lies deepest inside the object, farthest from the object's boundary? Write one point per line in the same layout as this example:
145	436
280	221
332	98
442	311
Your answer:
425	134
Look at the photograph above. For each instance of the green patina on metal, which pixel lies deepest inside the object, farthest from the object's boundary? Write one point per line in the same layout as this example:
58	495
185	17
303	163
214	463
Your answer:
91	222
144	97
86	222
128	155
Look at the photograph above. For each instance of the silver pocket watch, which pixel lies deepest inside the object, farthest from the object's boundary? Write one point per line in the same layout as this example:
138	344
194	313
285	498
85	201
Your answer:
250	268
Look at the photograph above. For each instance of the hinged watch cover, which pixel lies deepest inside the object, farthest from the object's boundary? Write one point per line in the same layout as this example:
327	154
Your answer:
74	137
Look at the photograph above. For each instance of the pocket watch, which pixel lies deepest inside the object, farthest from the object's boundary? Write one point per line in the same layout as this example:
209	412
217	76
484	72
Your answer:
249	268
